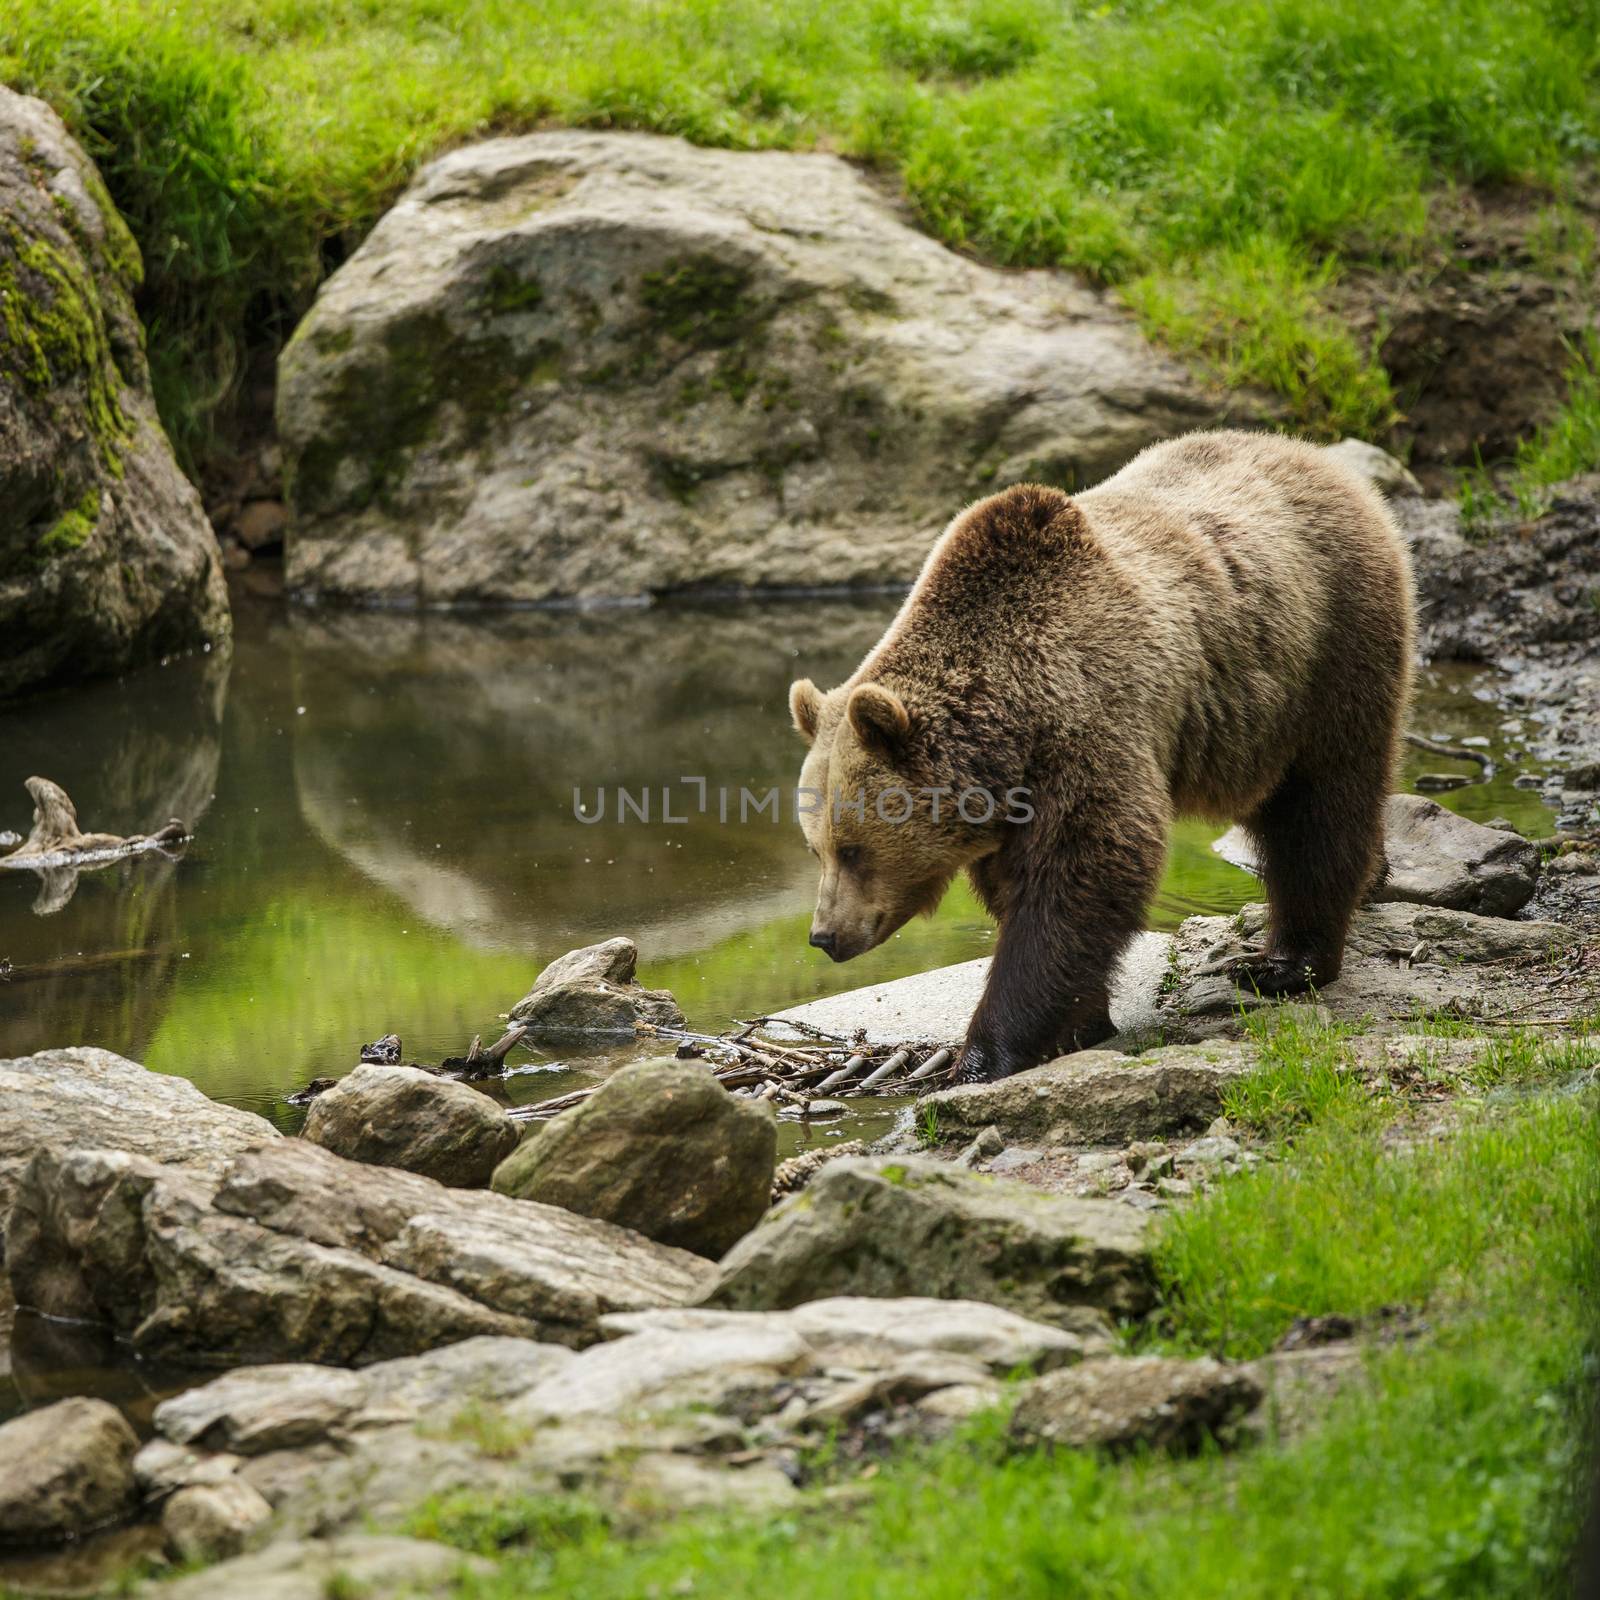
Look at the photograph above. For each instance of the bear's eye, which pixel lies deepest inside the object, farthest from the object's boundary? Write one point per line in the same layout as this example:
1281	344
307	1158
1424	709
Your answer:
850	856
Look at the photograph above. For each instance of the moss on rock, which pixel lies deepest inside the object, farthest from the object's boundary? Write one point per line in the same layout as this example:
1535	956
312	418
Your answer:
53	334
72	528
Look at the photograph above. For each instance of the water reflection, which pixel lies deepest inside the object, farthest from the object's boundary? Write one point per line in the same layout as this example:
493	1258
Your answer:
386	839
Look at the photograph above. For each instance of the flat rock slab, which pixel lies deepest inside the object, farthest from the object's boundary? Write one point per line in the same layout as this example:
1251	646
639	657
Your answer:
936	1006
673	1396
297	1254
93	1099
322	1569
1435	858
1401	961
290	1405
612	364
891	1227
1099	1097
854	1330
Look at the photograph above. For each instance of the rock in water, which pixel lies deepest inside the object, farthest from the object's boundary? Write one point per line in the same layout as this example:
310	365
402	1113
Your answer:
64	1470
1119	1403
605	364
594	990
401	1117
884	1228
662	1148
106	558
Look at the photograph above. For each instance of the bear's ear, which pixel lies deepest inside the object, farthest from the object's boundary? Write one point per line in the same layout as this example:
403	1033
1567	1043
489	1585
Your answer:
879	718
805	706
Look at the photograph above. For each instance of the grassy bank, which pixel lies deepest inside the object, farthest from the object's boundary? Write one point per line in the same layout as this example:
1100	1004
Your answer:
1222	161
1453	1467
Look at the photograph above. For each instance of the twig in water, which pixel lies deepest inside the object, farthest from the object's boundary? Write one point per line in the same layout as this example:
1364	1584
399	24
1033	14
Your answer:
1453	752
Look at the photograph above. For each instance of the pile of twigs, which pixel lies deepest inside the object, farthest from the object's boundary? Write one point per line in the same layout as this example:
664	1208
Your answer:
813	1065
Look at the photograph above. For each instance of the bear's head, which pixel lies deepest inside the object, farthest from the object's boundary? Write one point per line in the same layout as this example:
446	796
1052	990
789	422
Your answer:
876	813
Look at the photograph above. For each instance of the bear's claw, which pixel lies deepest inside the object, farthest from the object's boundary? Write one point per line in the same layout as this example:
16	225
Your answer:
1255	968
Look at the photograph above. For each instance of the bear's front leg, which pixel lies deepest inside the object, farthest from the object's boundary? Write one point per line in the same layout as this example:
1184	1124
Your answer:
1074	895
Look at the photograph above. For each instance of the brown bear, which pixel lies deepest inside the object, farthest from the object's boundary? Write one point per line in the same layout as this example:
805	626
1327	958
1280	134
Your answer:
1224	628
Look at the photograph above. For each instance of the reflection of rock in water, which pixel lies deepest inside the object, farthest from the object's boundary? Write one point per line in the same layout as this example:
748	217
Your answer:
144	747
439	755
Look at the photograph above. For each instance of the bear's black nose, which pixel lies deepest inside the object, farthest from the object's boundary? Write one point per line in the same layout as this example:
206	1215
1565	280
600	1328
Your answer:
823	941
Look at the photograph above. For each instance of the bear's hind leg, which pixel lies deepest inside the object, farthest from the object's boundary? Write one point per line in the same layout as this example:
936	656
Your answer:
1320	836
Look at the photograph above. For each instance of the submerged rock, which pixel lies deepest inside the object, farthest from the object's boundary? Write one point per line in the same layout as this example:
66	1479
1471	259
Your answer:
1436	858
64	1470
106	558
87	1098
293	1253
1098	1097
607	364
660	1147
885	1228
402	1117
1121	1403
594	990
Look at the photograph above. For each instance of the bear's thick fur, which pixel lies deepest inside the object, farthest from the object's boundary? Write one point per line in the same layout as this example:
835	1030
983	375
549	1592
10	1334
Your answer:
1223	628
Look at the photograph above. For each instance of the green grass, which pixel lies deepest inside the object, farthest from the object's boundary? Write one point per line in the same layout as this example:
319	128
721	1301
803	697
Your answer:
1222	160
1351	1223
1306	1073
1452	1468
1565	446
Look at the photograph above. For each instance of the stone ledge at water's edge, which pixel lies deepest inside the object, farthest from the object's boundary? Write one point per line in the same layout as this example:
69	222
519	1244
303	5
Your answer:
106	558
293	1253
588	365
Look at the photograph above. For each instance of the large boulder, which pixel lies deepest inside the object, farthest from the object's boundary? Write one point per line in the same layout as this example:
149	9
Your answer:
85	1098
660	1147
604	364
64	1470
404	1117
890	1227
106	558
1098	1097
595	990
296	1254
1435	858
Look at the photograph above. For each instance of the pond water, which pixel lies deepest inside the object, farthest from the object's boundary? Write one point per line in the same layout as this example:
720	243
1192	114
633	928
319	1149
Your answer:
386	841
